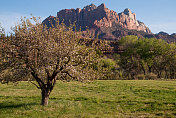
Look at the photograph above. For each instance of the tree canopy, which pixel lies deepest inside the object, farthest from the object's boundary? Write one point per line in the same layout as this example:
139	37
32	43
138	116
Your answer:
45	55
142	56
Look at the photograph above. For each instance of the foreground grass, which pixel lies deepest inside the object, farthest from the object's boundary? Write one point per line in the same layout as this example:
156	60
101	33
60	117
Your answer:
96	99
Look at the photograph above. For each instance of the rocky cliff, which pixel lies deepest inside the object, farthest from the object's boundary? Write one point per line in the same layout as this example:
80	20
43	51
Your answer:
128	20
106	23
100	20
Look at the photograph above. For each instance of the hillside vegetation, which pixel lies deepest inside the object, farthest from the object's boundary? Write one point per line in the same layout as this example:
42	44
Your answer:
110	98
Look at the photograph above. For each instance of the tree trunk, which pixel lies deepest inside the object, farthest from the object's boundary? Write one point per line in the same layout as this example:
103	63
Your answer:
150	69
45	98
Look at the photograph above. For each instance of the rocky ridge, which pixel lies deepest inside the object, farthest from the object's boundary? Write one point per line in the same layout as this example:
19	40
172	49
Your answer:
98	19
106	23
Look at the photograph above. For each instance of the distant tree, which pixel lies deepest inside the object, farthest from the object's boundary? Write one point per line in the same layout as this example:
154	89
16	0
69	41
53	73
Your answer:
130	60
46	54
167	67
142	56
2	31
107	67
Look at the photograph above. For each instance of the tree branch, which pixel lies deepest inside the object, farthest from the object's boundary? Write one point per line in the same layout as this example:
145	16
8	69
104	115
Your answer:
67	73
47	72
57	65
69	58
39	81
35	85
53	84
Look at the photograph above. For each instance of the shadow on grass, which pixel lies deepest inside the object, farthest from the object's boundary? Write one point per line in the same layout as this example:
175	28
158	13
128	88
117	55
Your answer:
15	97
13	102
12	105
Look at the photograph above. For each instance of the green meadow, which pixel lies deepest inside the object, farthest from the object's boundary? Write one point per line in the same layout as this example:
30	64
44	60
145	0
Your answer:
100	99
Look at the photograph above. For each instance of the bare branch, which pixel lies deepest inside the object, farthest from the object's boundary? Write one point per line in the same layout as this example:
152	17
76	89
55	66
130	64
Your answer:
58	61
67	73
35	84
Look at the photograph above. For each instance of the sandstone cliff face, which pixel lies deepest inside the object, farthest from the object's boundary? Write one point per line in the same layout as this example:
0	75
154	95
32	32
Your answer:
100	20
128	21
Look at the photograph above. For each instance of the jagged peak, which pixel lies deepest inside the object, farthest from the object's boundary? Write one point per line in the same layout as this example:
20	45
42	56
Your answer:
99	16
127	11
140	22
51	16
174	34
162	33
102	6
90	7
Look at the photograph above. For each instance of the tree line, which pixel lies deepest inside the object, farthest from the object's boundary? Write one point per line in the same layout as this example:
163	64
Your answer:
146	58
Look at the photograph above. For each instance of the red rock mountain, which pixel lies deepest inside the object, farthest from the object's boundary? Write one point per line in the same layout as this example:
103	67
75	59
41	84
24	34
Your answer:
107	24
100	20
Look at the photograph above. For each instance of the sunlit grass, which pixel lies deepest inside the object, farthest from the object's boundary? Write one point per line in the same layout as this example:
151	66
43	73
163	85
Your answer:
96	99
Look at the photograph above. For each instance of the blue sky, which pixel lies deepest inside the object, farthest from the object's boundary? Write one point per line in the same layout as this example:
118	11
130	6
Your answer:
158	15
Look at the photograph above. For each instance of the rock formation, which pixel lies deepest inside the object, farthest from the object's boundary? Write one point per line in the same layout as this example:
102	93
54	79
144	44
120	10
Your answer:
128	20
105	23
100	20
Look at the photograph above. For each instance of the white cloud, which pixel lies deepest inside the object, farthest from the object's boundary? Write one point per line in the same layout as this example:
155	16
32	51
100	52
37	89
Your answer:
166	27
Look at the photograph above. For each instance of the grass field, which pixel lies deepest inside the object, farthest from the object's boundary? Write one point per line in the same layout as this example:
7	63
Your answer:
100	99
